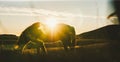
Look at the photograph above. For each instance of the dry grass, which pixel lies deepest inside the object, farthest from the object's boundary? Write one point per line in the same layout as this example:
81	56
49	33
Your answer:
86	52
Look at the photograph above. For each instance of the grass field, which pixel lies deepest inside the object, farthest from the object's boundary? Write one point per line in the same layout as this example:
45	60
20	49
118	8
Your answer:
102	51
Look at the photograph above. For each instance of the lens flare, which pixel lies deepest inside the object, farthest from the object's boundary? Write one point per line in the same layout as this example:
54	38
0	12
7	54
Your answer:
51	22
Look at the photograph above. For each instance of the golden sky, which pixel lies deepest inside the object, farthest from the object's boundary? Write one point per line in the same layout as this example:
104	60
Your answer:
84	15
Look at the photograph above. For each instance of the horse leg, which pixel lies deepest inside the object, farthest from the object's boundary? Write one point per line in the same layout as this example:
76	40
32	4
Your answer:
72	45
23	47
72	40
38	50
44	49
41	47
65	45
69	43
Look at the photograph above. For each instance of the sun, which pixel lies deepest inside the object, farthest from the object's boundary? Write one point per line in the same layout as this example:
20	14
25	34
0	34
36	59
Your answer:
51	22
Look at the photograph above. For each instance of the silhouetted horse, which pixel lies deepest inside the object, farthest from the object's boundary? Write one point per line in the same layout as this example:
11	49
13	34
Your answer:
63	32
33	34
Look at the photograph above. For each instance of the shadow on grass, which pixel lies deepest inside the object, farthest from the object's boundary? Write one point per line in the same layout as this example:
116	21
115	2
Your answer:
99	52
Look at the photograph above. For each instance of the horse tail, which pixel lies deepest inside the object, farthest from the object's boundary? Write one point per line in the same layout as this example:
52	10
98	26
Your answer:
73	38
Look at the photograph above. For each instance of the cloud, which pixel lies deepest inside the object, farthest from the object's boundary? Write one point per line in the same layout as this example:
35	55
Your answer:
37	12
23	11
39	0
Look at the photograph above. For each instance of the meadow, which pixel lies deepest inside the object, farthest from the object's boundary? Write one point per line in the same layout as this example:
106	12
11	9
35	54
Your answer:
85	51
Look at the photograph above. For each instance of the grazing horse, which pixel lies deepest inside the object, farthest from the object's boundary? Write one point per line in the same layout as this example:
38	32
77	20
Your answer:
63	32
33	34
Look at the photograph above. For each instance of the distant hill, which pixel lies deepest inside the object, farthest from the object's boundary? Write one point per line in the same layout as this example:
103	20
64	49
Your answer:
110	32
8	38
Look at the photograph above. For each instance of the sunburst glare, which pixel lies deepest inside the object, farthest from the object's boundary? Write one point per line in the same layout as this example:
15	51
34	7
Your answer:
51	22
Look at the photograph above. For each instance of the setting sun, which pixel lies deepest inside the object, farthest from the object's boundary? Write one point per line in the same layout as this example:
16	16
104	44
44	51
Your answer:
51	22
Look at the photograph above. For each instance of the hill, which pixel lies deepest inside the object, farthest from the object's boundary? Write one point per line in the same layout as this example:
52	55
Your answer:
110	32
8	38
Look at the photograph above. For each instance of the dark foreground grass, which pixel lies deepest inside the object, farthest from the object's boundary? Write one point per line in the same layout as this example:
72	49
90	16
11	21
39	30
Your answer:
99	52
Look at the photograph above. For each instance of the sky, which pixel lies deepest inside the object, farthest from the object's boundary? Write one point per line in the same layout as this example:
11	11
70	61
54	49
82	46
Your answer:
84	15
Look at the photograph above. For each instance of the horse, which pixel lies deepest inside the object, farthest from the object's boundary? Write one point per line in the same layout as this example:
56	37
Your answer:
63	32
31	34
